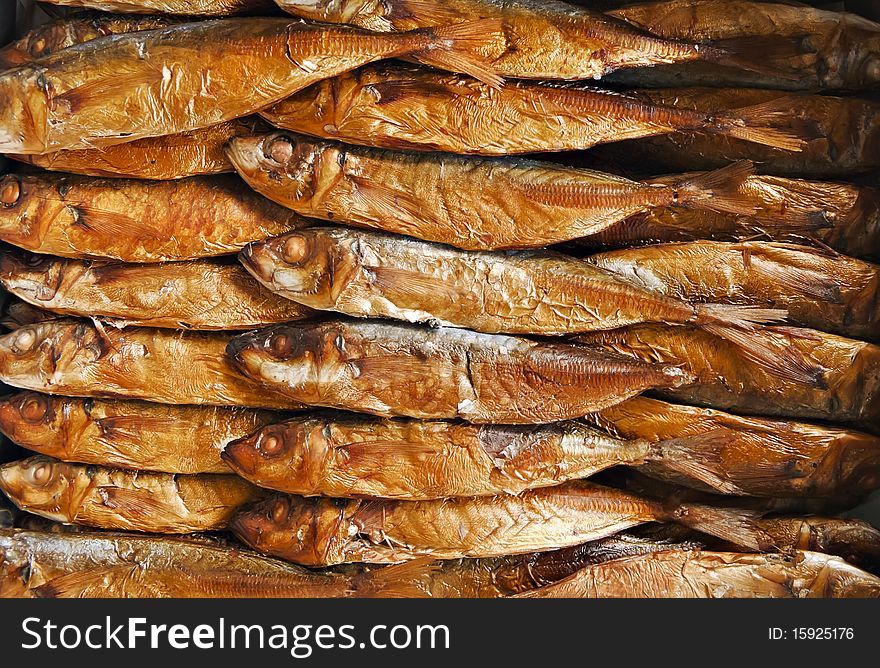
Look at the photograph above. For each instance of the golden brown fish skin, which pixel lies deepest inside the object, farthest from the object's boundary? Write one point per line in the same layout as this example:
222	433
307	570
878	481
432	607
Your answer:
846	373
77	358
835	51
403	370
842	216
135	221
321	531
410	108
199	294
758	456
127	434
53	36
181	7
127	500
419	460
828	292
703	574
193	75
854	540
174	156
469	202
846	131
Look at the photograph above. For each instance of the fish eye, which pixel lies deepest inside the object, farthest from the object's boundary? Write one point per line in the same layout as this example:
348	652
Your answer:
270	445
24	341
10	191
35	260
38	47
296	249
280	344
279	149
34	409
872	70
279	511
41	473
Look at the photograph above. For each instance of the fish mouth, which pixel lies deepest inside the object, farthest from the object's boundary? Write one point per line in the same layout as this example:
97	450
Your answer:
239	455
238	348
257	262
244	153
247	529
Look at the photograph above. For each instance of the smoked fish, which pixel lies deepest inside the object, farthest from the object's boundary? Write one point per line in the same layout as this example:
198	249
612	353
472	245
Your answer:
845	384
18	313
703	574
404	370
80	358
545	39
845	131
174	156
469	202
820	290
410	108
756	456
423	460
833	50
854	540
183	7
841	216
135	221
46	39
199	294
108	498
127	434
188	76
321	531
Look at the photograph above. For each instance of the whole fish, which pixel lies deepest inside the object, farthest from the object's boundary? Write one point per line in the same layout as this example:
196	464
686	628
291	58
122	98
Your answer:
701	574
185	7
399	107
46	39
418	460
758	456
544	39
405	370
193	75
130	500
127	434
174	156
846	135
321	531
834	50
842	216
80	358
824	291
845	384
199	294
469	202
135	221
118	565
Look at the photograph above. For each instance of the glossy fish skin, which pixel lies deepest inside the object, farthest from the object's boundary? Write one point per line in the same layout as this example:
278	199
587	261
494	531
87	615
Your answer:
703	574
135	221
831	293
75	358
322	531
842	216
409	108
199	294
759	456
174	156
416	460
127	434
404	370
125	500
846	131
183	7
48	38
125	87
469	202
845	388
18	313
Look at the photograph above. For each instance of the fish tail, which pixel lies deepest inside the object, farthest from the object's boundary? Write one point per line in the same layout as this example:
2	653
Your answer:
457	47
698	457
758	53
733	525
735	315
720	190
410	579
757	124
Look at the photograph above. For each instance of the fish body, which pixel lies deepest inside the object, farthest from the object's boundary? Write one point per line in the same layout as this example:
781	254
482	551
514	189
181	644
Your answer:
135	221
404	370
703	574
757	456
189	76
127	434
79	358
126	500
399	107
320	531
183	7
469	202
199	294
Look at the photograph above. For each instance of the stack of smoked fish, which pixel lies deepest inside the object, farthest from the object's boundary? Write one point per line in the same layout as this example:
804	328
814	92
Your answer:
450	298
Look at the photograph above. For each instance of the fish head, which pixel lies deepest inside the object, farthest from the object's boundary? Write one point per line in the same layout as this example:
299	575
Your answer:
363	13
40	484
33	277
855	469
32	418
24	102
